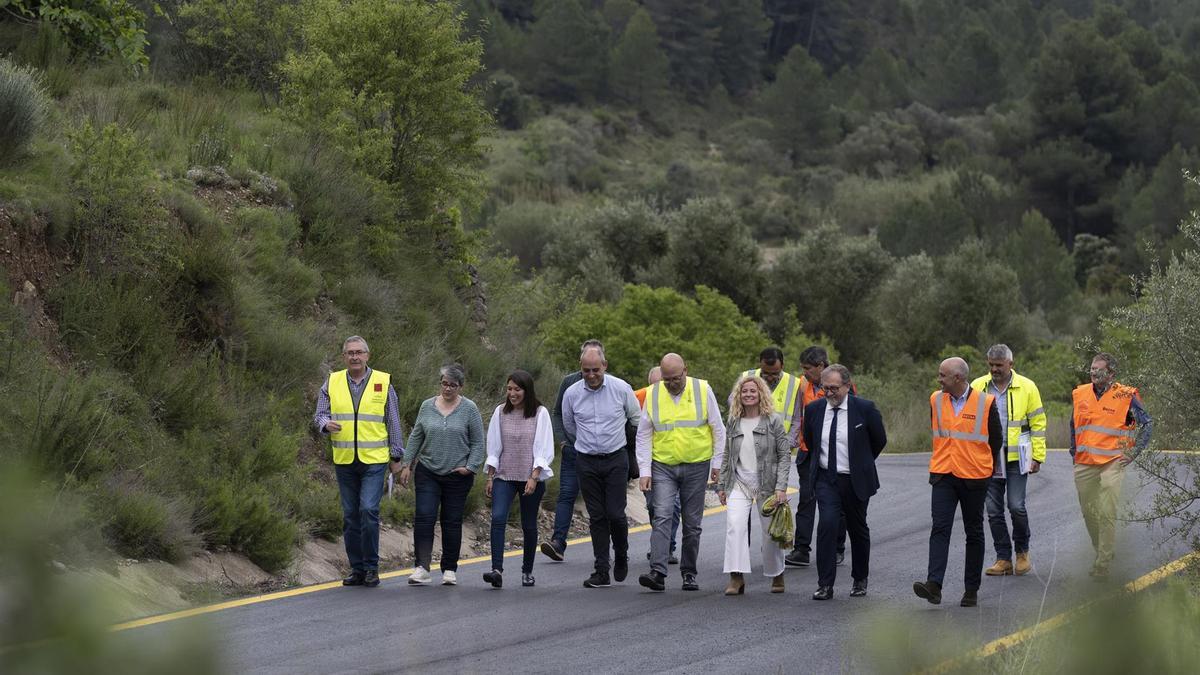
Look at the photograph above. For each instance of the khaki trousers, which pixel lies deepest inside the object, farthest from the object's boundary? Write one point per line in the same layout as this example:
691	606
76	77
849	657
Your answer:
1099	488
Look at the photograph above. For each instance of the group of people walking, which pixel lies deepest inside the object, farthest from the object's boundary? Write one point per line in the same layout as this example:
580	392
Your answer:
988	437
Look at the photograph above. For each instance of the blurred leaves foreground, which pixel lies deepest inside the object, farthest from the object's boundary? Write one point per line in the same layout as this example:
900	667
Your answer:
51	621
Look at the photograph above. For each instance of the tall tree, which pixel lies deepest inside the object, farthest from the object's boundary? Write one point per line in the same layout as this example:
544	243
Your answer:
639	69
797	104
568	50
740	38
688	33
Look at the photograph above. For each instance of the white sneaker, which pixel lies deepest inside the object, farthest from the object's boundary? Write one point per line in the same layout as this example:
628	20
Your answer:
449	578
419	577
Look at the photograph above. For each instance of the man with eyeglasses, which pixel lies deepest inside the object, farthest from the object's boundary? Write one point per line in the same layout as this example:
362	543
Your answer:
1109	427
359	410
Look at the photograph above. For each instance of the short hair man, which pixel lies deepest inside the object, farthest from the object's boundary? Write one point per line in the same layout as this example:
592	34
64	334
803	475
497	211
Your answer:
1109	427
1019	404
967	437
359	410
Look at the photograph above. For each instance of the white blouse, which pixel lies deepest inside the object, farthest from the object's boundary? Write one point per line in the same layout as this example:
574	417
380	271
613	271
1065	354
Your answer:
543	442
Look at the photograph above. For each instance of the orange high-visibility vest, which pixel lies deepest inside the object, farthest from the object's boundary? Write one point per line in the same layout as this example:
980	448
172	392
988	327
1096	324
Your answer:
1101	432
960	442
640	394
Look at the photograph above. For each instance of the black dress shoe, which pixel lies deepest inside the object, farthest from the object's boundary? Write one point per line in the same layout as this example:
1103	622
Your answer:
841	558
859	589
621	568
355	579
371	579
928	590
552	551
797	559
969	599
653	580
823	593
689	582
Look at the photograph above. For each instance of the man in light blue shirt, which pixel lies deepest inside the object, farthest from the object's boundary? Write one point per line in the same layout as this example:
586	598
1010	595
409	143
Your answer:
598	413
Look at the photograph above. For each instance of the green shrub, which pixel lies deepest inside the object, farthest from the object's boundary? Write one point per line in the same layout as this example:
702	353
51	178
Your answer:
266	536
396	511
143	525
211	148
317	506
23	108
274	452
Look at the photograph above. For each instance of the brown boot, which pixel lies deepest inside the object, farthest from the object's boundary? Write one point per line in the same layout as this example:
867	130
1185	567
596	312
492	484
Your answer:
999	569
1023	564
737	586
777	584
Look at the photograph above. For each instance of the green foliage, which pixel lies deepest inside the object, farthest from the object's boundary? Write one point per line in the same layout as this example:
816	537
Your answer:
23	108
1043	266
717	341
144	525
103	28
711	246
568	51
242	39
400	103
741	30
639	68
797	103
687	30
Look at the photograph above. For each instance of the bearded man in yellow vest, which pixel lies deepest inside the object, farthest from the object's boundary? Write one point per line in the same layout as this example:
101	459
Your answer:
680	446
359	410
1109	427
967	438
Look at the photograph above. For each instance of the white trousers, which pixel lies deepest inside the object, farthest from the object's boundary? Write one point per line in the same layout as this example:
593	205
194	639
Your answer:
739	507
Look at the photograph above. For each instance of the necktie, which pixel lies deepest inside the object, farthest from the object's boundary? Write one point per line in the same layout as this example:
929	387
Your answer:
833	443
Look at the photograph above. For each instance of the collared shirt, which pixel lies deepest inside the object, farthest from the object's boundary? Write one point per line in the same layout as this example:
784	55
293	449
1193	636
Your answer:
391	412
841	445
596	418
1001	396
959	401
645	436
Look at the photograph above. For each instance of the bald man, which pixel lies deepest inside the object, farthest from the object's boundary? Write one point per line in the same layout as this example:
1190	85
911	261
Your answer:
965	455
680	446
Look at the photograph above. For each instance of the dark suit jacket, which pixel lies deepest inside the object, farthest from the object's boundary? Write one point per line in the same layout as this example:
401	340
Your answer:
866	441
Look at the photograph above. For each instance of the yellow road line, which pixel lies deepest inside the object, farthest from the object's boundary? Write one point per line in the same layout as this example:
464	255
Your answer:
305	590
1063	618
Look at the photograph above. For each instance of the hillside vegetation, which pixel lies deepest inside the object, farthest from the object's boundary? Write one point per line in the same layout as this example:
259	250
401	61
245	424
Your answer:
198	204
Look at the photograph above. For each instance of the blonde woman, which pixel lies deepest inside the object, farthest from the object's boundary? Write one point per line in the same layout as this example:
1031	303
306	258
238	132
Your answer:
757	462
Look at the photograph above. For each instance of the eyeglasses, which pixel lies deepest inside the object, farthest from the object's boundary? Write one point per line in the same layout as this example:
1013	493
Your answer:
1098	371
833	387
450	385
355	352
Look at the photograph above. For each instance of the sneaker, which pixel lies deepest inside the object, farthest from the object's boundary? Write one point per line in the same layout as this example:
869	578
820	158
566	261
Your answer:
449	578
553	550
999	568
419	577
797	559
370	579
526	580
689	582
653	580
620	569
597	580
495	578
1023	565
355	579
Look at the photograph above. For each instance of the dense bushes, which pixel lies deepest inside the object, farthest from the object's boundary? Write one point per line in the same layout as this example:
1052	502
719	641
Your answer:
23	108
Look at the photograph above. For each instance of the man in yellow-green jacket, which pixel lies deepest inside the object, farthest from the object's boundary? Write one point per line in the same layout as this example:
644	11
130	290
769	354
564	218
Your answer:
1020	406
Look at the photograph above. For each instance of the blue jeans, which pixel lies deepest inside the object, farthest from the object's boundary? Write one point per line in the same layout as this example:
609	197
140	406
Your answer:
674	518
361	487
1014	485
568	491
685	483
503	492
449	494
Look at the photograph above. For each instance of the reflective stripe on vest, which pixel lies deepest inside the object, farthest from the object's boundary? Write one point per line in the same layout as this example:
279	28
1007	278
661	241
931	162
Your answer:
784	397
1101	434
681	431
363	433
960	444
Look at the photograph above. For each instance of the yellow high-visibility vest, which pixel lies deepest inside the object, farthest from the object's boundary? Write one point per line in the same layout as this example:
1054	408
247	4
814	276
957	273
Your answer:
1025	413
681	431
363	433
785	395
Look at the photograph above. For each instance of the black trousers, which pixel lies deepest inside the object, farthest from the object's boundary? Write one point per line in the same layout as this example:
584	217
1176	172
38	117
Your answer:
839	505
950	492
602	480
806	514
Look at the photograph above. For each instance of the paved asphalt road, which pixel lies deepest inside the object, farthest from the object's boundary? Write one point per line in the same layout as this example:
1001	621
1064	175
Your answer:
559	626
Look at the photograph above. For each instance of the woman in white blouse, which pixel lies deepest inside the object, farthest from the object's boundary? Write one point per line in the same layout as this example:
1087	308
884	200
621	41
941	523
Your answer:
520	448
757	462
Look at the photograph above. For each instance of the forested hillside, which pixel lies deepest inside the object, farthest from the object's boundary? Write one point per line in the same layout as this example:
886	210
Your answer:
200	198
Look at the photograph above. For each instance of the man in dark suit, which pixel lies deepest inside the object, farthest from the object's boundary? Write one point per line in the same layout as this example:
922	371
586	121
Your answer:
844	435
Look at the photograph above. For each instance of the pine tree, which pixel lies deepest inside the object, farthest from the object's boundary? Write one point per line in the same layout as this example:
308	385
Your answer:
639	69
797	104
688	33
568	51
743	30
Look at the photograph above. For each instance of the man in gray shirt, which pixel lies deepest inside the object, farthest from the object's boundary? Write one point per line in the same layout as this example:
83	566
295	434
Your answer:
595	411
